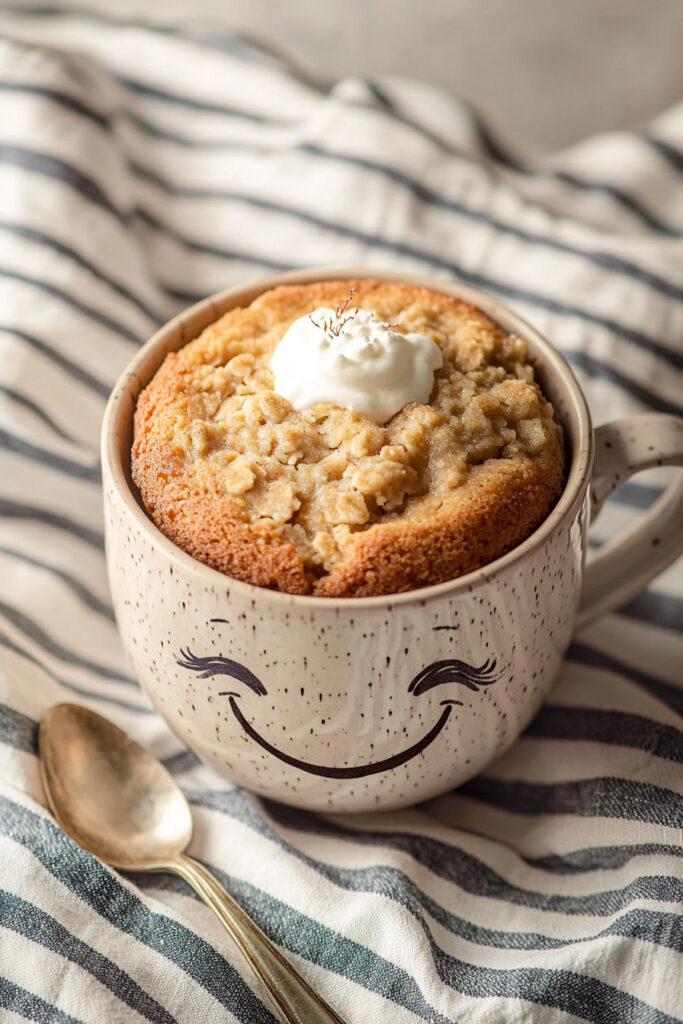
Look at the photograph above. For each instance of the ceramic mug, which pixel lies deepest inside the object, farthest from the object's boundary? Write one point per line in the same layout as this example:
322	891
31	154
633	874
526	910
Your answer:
352	704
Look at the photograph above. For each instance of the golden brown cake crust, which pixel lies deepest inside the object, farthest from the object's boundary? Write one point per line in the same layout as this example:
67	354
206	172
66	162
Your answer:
328	501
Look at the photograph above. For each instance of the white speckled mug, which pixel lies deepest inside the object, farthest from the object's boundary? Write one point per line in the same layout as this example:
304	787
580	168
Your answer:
359	703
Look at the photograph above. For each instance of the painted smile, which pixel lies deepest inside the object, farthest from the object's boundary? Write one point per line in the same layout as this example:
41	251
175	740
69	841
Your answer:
438	673
332	772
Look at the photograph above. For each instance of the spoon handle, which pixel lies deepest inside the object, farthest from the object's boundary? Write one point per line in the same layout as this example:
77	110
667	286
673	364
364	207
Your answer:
294	998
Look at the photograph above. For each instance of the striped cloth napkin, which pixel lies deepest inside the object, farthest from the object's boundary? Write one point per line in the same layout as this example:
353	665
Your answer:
140	168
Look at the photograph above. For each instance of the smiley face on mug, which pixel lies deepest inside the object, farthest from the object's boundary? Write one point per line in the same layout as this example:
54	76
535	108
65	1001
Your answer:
449	673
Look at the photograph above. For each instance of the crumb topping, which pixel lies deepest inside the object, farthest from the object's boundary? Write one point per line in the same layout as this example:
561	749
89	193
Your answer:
211	428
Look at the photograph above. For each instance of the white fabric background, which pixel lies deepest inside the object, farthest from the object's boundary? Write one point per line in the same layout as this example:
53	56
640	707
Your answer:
140	169
543	74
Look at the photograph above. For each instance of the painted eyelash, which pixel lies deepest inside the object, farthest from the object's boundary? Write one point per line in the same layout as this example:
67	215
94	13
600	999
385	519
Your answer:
217	665
438	673
453	671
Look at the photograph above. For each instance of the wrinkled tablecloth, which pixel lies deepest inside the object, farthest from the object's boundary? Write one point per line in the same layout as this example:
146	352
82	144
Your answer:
144	167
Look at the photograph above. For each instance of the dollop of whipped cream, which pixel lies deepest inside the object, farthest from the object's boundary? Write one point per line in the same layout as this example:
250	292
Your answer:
354	360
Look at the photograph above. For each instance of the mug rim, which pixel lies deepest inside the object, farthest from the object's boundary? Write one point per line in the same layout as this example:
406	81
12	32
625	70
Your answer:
189	323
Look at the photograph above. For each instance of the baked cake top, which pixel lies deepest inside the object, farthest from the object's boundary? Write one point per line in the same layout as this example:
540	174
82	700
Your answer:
327	498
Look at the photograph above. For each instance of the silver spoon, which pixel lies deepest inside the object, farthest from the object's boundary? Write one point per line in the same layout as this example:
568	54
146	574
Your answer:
120	804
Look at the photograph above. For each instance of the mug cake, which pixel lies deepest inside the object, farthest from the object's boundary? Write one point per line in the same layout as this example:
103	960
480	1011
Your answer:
348	439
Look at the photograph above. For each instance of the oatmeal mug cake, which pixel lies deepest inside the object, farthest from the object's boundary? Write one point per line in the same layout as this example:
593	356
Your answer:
301	493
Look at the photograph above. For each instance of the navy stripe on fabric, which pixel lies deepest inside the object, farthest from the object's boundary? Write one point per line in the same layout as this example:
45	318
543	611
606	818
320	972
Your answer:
51	167
183	761
30	921
380	103
191	103
106	896
636	494
572	993
31	629
260	260
612	727
652	927
581	360
493	149
83	593
491	144
670	695
620	195
601	858
45	240
37	410
550	987
603	797
589	363
106	122
673	156
463	869
27	450
104	696
185	298
19	510
235	44
314	941
539	985
58	169
604	371
659	928
446	861
21	732
27	1004
64	99
393	883
81	307
18	730
456	865
72	369
657	609
605	260
637	337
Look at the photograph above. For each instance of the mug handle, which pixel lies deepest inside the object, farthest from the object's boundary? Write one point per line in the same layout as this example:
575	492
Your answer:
623	566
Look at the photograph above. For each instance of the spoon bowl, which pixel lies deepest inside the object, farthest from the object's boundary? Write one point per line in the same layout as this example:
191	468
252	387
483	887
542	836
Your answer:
120	804
110	794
